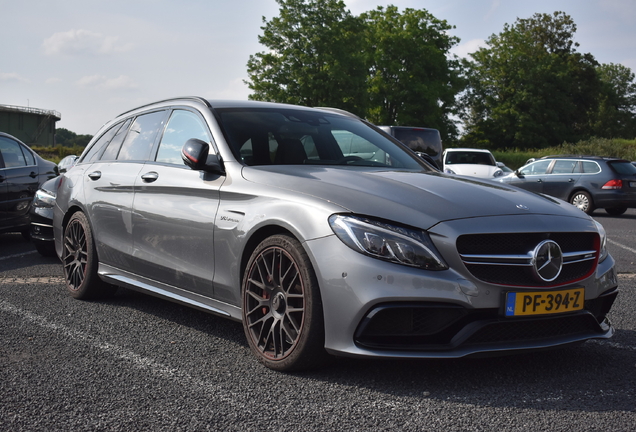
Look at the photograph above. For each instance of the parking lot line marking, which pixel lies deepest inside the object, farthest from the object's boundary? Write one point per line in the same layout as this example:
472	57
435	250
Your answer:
17	255
621	245
136	360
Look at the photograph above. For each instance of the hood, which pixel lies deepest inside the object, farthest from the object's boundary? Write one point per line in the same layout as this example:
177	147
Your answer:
417	199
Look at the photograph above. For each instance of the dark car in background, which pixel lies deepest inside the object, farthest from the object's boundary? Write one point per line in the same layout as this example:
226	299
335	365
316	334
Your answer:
22	171
588	182
41	215
423	141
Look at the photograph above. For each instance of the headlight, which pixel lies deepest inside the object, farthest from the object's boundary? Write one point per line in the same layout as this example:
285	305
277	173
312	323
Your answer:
603	253
387	242
498	173
449	171
44	199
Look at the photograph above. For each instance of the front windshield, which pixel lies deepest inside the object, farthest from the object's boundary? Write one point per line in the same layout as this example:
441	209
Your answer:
469	157
275	136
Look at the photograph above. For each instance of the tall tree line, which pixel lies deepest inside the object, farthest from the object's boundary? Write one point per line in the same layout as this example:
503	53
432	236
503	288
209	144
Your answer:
528	87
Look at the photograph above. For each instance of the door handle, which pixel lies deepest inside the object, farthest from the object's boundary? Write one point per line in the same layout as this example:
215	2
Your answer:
149	177
539	181
95	175
33	174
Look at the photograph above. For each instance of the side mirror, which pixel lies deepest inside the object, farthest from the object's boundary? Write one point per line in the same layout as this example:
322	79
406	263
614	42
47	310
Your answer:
195	154
518	174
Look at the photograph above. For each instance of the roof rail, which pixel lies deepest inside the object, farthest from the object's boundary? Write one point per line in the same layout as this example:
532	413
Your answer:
192	98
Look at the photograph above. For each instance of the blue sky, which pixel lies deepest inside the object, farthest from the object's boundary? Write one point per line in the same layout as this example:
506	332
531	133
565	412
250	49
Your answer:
93	59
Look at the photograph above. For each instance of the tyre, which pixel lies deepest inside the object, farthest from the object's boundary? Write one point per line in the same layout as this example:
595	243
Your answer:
45	248
282	308
616	211
79	259
583	201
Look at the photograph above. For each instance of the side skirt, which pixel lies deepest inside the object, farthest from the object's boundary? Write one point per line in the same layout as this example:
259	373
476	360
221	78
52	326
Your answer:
125	279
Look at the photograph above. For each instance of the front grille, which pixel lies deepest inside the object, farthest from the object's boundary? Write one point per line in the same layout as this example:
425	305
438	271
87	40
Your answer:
438	326
506	259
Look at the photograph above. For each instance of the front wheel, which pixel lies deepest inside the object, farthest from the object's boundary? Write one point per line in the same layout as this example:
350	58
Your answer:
282	308
583	201
79	259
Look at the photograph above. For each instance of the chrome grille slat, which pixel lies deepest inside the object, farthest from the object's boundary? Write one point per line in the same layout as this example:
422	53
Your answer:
515	266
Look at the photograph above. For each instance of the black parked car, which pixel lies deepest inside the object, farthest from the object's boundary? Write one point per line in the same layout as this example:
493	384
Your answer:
588	182
22	172
42	217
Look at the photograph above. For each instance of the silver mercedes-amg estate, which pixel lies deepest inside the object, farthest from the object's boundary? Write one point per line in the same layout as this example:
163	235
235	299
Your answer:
324	235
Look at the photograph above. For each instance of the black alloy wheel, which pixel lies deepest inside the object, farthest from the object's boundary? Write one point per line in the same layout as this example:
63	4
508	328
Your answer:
282	312
80	261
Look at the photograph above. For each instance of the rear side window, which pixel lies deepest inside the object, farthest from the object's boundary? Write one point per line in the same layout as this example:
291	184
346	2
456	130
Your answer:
590	167
141	136
28	156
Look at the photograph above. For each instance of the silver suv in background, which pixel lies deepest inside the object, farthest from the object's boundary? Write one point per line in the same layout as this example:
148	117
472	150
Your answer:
324	236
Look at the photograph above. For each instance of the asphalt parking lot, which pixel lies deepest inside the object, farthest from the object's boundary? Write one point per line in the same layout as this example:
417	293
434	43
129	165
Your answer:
139	363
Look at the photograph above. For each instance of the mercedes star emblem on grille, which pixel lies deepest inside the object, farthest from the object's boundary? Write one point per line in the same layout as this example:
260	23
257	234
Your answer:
547	260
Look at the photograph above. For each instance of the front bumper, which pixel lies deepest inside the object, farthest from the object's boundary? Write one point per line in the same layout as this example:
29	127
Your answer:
380	309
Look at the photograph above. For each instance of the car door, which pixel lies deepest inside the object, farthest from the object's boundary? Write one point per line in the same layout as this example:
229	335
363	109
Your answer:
531	176
109	187
563	176
174	211
19	182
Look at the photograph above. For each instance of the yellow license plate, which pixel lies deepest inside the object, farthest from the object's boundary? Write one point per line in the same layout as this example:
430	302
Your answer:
544	302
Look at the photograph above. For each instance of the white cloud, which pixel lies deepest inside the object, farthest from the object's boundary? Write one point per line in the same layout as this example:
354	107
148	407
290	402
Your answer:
463	49
121	82
13	77
102	82
82	42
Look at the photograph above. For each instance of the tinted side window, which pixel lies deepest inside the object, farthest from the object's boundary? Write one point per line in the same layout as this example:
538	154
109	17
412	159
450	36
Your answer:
11	153
28	156
564	166
141	137
182	126
539	167
590	167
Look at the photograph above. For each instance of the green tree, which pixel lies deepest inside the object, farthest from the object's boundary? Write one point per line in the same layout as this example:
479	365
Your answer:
68	138
412	79
530	88
314	57
617	102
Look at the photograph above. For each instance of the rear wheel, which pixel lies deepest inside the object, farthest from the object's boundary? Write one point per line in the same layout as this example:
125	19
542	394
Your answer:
583	201
616	211
80	261
282	309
